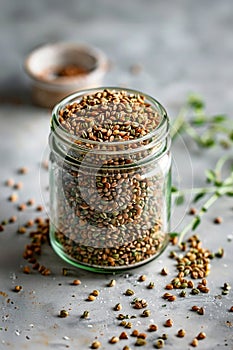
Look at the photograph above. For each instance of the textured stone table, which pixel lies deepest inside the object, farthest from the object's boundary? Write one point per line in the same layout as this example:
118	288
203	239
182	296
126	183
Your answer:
181	47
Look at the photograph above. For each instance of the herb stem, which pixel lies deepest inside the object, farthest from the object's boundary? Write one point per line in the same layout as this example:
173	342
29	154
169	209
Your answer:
197	219
222	160
193	133
178	123
205	190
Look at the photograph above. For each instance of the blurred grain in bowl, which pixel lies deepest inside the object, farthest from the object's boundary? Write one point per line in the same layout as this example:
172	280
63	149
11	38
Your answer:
57	70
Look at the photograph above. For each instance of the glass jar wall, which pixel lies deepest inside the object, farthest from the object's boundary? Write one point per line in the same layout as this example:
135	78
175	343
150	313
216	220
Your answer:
109	179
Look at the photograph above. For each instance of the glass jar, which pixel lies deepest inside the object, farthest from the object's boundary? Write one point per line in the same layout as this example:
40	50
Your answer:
110	182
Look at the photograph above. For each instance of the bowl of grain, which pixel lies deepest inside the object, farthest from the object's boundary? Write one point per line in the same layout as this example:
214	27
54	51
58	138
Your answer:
59	69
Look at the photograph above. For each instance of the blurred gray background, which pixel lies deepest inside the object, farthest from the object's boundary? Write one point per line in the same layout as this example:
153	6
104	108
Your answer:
180	45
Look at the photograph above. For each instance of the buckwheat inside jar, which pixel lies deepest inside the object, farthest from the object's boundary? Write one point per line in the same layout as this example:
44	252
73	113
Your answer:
109	179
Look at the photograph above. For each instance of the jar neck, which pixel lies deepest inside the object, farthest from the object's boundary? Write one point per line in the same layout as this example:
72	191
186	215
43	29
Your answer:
75	147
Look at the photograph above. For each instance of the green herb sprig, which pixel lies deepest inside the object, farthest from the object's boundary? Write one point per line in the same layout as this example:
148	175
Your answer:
216	131
206	131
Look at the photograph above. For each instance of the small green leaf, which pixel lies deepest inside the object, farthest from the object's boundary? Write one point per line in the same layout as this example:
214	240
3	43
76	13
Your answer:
204	209
179	200
195	101
207	142
219	118
196	222
199	196
218	193
218	183
173	234
174	189
210	175
231	135
199	120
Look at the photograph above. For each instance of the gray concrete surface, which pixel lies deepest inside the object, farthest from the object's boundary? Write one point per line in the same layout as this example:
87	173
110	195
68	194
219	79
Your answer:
182	46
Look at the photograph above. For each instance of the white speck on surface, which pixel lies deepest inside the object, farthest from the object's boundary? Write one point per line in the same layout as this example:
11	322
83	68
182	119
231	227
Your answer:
90	325
17	332
66	338
13	276
230	238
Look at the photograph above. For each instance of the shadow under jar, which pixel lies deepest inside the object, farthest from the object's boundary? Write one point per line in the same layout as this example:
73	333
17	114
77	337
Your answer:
110	183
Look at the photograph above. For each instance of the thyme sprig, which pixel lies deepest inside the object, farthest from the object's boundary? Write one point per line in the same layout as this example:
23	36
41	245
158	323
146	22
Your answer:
216	130
220	187
206	131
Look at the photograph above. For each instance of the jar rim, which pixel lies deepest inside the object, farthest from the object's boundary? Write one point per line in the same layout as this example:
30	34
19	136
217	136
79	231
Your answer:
161	129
